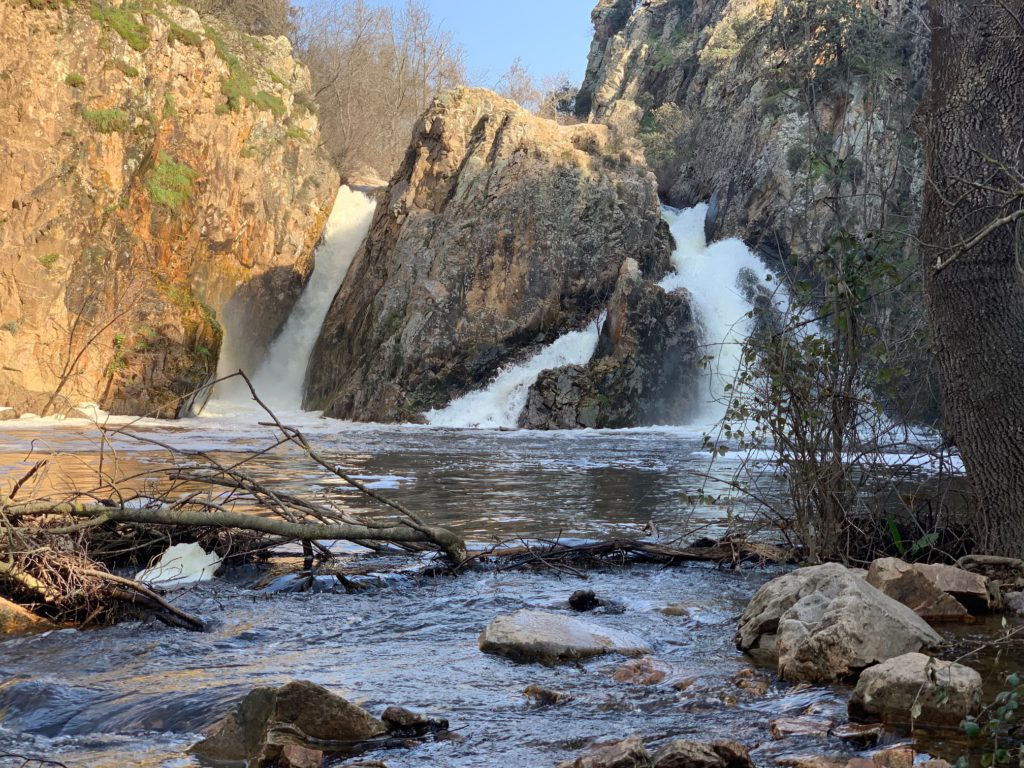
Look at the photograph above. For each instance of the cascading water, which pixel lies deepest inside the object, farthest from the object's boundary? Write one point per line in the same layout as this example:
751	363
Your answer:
711	274
279	379
498	405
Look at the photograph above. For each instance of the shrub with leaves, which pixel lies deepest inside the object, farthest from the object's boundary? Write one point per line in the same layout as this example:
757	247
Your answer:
997	730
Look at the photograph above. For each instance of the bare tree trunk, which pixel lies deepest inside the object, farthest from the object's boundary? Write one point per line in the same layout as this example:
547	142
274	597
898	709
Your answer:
972	124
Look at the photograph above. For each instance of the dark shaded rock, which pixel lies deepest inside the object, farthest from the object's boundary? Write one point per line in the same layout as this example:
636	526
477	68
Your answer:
629	753
499	232
862	734
546	697
694	754
643	372
268	719
403	722
583	600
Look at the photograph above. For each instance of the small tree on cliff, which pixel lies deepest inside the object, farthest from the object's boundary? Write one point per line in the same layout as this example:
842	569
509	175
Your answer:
972	232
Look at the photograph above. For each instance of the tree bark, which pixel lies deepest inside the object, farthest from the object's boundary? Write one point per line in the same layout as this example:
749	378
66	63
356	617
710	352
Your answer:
972	125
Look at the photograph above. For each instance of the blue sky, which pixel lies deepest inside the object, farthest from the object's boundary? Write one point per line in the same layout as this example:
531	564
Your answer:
550	36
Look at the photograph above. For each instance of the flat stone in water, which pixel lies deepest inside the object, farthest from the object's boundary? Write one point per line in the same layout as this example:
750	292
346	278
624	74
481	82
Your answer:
537	636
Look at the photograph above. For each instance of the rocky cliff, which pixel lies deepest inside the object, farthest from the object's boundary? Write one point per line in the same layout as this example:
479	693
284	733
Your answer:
161	183
499	232
794	120
781	109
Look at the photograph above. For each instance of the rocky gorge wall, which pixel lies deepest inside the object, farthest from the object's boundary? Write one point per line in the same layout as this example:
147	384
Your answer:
161	180
500	232
793	119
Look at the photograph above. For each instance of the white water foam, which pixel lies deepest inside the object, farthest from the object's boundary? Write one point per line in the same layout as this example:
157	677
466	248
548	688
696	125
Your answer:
498	405
711	274
280	377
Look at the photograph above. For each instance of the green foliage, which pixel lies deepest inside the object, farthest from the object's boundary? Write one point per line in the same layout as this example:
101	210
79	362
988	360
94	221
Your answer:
823	45
170	182
296	133
126	69
178	34
49	260
74	79
730	37
106	120
269	101
125	22
170	109
997	731
660	131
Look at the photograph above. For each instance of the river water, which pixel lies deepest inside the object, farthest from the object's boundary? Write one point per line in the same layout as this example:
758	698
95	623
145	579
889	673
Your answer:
139	694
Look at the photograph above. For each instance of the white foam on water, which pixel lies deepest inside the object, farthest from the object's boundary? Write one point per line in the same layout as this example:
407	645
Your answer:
498	404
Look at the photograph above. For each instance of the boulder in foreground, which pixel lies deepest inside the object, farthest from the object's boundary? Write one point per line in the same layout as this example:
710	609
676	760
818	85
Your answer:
269	718
946	692
827	623
538	636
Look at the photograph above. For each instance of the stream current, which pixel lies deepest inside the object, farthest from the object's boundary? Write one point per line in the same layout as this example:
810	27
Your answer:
139	694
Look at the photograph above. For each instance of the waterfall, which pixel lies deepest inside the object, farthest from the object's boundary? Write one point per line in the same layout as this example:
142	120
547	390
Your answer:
713	274
499	403
280	377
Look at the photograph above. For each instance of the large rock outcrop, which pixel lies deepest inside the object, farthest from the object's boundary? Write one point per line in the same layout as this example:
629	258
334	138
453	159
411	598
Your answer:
826	623
161	182
644	371
499	232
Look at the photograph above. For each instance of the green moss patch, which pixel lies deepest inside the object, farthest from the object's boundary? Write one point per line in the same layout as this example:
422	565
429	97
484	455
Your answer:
178	34
170	183
106	120
125	22
49	260
126	69
74	79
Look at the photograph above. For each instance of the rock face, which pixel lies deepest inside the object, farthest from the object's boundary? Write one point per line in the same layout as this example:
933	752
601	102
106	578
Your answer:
161	182
269	718
827	623
695	754
643	372
708	79
946	692
935	592
737	103
499	232
537	636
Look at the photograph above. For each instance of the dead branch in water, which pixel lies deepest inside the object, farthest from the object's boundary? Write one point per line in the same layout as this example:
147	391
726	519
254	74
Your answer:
56	545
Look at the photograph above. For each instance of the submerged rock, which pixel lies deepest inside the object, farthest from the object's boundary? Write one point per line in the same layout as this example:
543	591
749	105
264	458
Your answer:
629	753
546	697
267	719
695	754
936	592
645	671
500	231
827	623
946	692
583	600
403	722
537	636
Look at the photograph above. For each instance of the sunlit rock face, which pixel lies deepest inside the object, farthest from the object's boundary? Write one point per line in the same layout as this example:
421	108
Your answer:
499	232
730	99
158	187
